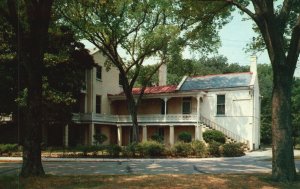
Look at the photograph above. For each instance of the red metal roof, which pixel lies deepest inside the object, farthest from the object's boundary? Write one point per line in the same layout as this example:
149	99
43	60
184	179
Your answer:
156	89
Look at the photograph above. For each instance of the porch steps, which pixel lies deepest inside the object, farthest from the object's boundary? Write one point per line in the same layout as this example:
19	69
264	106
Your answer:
227	139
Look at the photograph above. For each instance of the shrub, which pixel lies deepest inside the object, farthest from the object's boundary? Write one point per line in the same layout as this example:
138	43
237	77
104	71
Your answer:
213	135
8	148
113	150
213	148
99	138
87	149
199	148
182	149
185	137
232	150
157	137
151	148
130	150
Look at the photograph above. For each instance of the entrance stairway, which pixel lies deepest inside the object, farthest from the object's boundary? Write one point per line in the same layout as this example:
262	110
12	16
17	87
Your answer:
230	136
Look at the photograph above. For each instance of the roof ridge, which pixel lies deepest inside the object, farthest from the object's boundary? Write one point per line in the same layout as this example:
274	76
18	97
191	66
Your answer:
211	75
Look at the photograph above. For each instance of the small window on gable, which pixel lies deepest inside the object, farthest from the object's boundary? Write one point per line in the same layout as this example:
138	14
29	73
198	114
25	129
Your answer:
186	105
220	104
98	72
98	104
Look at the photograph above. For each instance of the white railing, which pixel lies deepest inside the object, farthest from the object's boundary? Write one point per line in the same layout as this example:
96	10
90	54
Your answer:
225	131
150	118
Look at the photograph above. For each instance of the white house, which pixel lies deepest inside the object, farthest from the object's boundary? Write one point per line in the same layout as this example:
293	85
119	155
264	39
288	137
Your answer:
226	102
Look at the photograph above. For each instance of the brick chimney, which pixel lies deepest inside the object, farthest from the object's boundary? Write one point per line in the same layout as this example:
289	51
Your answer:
162	75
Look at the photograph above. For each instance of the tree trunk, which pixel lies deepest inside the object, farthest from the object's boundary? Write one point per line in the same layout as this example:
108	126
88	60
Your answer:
283	165
32	165
31	51
133	113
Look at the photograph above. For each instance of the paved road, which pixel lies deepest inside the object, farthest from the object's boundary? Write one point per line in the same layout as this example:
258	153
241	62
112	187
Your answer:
255	162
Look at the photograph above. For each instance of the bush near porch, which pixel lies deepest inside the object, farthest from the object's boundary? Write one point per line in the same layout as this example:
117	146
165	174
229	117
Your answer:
214	135
147	149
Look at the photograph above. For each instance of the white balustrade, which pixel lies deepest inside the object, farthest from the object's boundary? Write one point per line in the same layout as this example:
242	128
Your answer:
150	118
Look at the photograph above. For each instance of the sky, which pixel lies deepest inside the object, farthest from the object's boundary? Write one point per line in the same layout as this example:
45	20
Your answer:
235	36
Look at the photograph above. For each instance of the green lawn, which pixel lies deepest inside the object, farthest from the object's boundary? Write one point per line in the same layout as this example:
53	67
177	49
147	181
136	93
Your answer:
220	181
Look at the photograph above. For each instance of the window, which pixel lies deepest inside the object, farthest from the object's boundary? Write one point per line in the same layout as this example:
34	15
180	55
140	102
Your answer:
186	105
220	104
98	104
120	79
98	72
161	132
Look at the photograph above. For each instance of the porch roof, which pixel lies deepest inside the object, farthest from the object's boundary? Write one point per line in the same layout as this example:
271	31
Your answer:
230	80
156	89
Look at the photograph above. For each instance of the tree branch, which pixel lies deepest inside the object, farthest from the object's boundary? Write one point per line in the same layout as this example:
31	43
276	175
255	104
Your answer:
284	14
244	9
294	49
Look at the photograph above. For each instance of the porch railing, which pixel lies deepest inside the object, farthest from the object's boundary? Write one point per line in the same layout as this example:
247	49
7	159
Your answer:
225	131
150	118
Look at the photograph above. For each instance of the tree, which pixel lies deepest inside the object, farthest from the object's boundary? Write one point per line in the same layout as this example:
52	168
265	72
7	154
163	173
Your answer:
141	29
64	64
279	29
30	21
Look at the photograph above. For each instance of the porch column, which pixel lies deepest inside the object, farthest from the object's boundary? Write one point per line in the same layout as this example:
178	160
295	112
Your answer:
92	133
166	105
171	135
66	136
119	135
198	109
198	132
144	133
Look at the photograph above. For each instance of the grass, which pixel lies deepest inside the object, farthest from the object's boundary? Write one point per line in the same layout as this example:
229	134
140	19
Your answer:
220	181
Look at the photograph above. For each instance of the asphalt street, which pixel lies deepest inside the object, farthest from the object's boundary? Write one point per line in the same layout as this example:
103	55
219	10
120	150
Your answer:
254	162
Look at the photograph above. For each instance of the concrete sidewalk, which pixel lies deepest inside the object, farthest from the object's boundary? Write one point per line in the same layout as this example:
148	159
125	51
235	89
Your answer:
259	154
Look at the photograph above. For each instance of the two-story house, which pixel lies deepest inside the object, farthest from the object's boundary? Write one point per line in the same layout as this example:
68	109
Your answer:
226	102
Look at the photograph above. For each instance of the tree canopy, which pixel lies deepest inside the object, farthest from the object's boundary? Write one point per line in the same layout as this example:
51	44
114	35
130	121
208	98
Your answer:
128	32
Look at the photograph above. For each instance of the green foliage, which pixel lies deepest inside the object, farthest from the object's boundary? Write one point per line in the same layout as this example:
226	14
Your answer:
130	150
157	137
232	150
214	148
87	149
199	148
265	78
63	78
182	149
295	110
185	136
214	135
113	150
8	148
150	148
99	138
